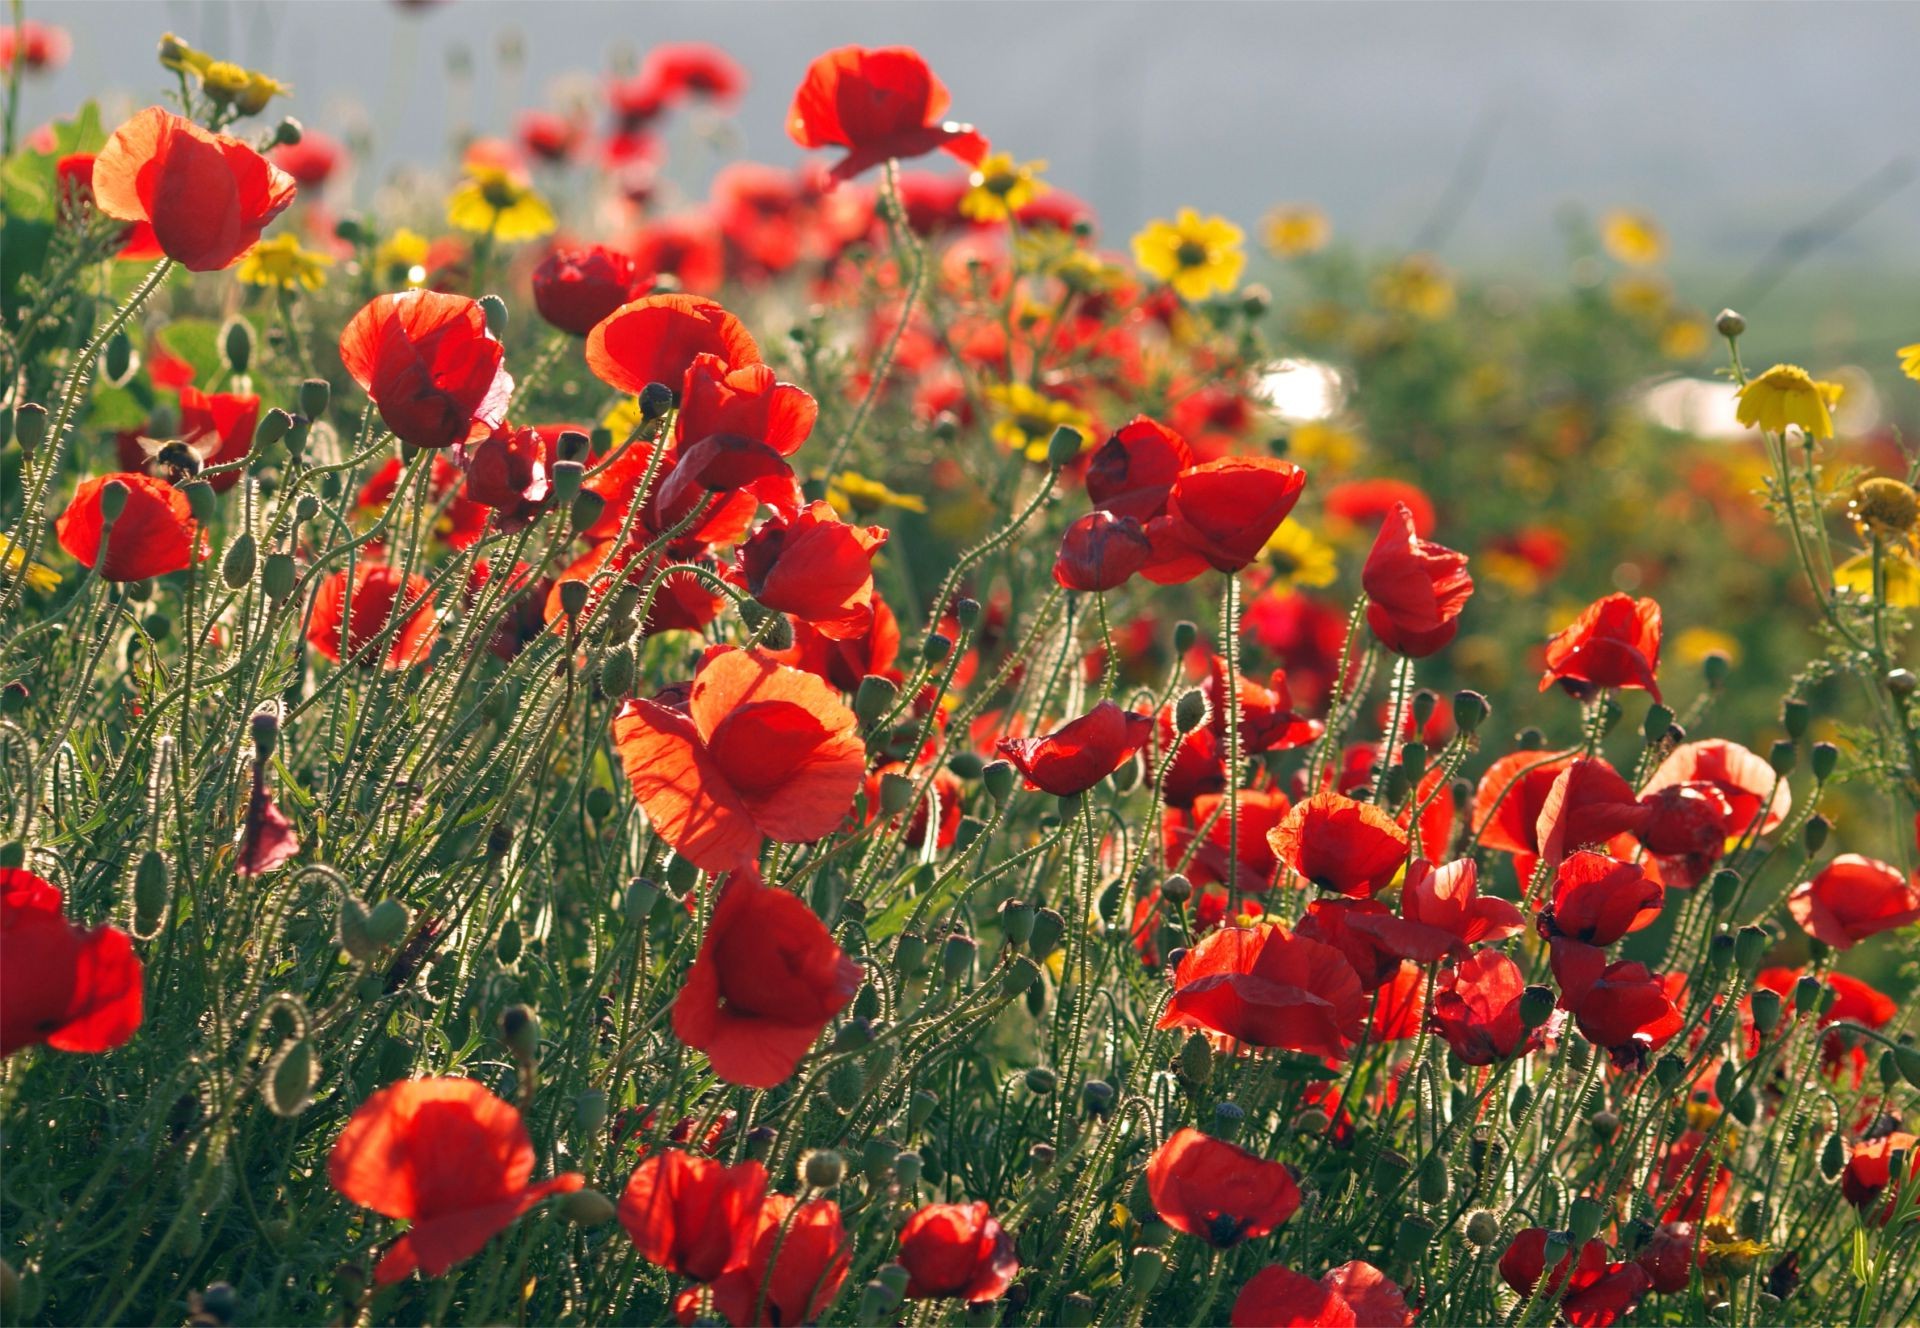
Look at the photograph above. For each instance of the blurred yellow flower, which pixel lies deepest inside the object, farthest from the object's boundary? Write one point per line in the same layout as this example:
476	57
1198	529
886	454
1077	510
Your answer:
1641	295
851	493
1899	577
281	262
1884	507
1001	186
1028	419
39	576
492	202
1299	558
1632	237
1195	255
624	419
1293	229
1416	285
1320	446
1684	338
1692	646
1788	395
402	256
1910	360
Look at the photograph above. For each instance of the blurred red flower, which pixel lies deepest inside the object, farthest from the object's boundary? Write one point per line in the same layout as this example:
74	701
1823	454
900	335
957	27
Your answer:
374	603
72	988
311	162
36	46
74	174
1266	988
1415	588
1082	752
959	1250
1218	1192
576	286
1869	1173
1614	643
692	1215
207	196
1365	503
1852	898
795	1267
153	535
877	104
1339	844
218	426
430	366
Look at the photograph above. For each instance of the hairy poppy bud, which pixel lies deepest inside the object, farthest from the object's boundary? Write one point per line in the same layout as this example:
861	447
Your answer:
1041	1080
1659	719
573	597
1750	946
1604	1124
1185	633
1482	1228
599	802
1470	710
656	399
956	955
1176	889
520	1030
1145	1272
1814	834
1536	1005
236	344
353	930
495	310
200	501
277	576
1016	921
1767	1009
290	1077
236	568
296	444
1822	760
587	1208
387	922
1669	1070
116	361
1729	324
1783	756
30	426
1190	711
1065	444
1584	1221
1907	1061
1433	1182
590	1111
1833	1156
1715	667
1725	888
965	765
1000	779
616	672
151	887
585	509
822	1168
272	428
874	698
1519	1103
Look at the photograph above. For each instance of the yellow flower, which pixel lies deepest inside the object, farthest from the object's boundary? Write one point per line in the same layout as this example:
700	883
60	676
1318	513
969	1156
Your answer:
1299	558
1692	646
1899	578
1195	255
1028	419
1684	338
281	262
1293	229
1632	237
1416	285
492	202
1323	448
1788	395
851	493
1001	186
1910	360
403	257
623	421
1085	272
260	89
1640	296
39	576
1885	507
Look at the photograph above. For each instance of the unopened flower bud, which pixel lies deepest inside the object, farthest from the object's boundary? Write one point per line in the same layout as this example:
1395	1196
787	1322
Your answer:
585	510
30	426
1720	952
1783	756
1185	633
760	1141
1715	667
590	1111
1814	833
1536	1005
495	309
587	1208
201	500
1176	889
273	426
1669	1070
1729	324
1000	779
1048	928
1040	1157
1145	1272
1833	1157
236	344
1433	1182
353	930
1767	1009
1411	1239
1065	444
1725	888
387	922
237	567
896	794
1470	710
822	1168
874	698
520	1030
1907	1060
263	726
1482	1228
1902	682
656	399
1190	711
290	1077
113	501
1041	1080
288	132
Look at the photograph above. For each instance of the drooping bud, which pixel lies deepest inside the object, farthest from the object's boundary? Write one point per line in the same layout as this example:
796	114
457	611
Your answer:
236	568
1190	711
236	344
520	1030
290	1077
656	399
1822	760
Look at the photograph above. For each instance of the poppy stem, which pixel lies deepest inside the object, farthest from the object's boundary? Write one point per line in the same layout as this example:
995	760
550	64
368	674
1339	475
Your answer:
1230	702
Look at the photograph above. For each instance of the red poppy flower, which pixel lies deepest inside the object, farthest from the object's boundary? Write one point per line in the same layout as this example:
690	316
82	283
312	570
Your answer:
511	471
1399	1005
1266	988
73	988
1441	913
817	568
576	286
1260	811
1221	514
686	246
1745	778
154	534
845	662
1476	1008
746	401
1510	796
373	605
1668	1258
1368	502
1598	899
1614	643
1133	472
877	104
219	425
1593	1293
1352	848
207	196
959	1250
1353	927
1587	803
692	1215
1222	1194
723	520
1415	588
267	839
656	338
1278	1297
1081	753
37	46
795	1267
311	161
1101	551
447	1156
73	174
672	72
1620	1006
1850	899
736	468
549	136
1686	831
1689	1186
767	979
1869	1173
430	366
755	751
1855	1002
460	522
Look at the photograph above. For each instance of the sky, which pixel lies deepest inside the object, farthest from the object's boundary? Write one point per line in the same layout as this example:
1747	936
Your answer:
1733	123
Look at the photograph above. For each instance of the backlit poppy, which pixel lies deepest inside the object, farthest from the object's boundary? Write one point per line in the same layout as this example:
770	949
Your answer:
1598	899
1620	1007
1266	988
795	1266
1354	927
576	286
956	1250
375	602
1587	803
692	1215
1744	777
72	988
1218	1192
153	535
207	196
1441	913
877	104
1615	642
1476	1009
1593	1293
1101	551
511	471
430	366
656	338
1278	1297
1260	811
1869	1174
74	176
744	400
1852	898
1222	514
1415	588
816	567
845	662
1339	844
1082	752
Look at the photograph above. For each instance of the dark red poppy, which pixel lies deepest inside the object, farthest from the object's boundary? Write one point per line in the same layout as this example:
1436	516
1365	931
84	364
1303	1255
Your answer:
1850	899
1869	1175
511	471
430	366
692	1215
72	988
795	1266
733	468
311	162
1620	1007
576	286
1221	514
1668	1257
376	601
154	534
1278	1297
1260	811
1441	913
877	104
656	338
1476	1008
549	136
1133	472
207	196
1598	899
448	1157
746	401
267	839
1592	1292
1352	848
845	662
1082	752
1353	927
1686	830
817	568
1101	551
1266	988
1415	588
1615	642
1220	1193
956	1250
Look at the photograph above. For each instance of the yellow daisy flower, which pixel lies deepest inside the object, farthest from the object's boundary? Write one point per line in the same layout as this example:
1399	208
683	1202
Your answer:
1899	578
1692	646
492	202
624	419
402	256
1632	237
1028	419
1910	360
39	577
281	262
1641	296
853	493
1322	447
1684	338
1299	558
1788	395
1416	285
1293	229
1001	186
1195	255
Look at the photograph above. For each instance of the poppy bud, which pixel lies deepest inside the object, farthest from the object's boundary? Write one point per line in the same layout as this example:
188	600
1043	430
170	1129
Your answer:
1482	1228
1604	1124
585	509
876	1303
520	1030
1020	975
157	625
387	922
290	1077
1470	710
1410	1241
1390	1167
1822	760
573	598
1720	951
1065	444
353	930
1767	1009
1413	759
1016	921
587	1208
219	1303
1889	1068
1726	888
1076	1310
1655	726
1783	756
272	428
1190	711
1715	667
874	698
1669	1070
1184	635
1176	889
1536	1006
822	1168
1041	1080
1750	946
1794	714
936	648
1584	1221
296	442
1907	1061
1145	1272
910	952
1521	1100
616	672
956	954
656	399
894	1278
30	426
200	501
150	891
1096	1097
1902	682
236	568
495	310
1070	805
1814	834
1000	778
113	501
599	803
1048	928
1833	1156
236	344
907	1168
1729	324
116	362
1433	1179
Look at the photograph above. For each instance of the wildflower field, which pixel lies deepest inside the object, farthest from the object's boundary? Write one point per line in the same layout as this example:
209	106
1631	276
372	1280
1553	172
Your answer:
862	750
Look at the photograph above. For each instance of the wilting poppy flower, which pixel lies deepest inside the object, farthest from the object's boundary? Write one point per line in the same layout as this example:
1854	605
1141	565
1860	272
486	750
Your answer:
1209	1188
1415	588
511	471
1620	1007
1614	643
207	196
1668	1258
1852	898
817	568
1593	1293
951	1249
576	286
1476	1008
744	400
1266	988
266	838
373	604
73	988
1081	753
877	104
1221	514
656	338
692	1215
1598	899
448	1157
1441	913
430	365
1352	848
767	979
1101	551
796	1265
153	535
755	751
1869	1173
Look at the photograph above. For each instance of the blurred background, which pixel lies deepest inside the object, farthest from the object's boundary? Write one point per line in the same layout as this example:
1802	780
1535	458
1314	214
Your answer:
1775	143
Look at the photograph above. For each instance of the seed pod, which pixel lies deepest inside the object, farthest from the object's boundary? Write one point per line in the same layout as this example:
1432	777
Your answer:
1766	1009
387	922
920	1109
507	948
999	778
1814	835
1822	760
936	648
956	956
30	426
846	1082
617	672
896	794
1048	928
822	1168
1390	1167
1433	1179
1196	1060
585	510
1584	1221
1726	889
520	1030
1021	974
1655	726
201	501
642	895
1536	1005
1016	921
1470	710
495	309
1750	947
1715	667
599	802
1794	715
277	576
1415	1232
236	569
151	889
1076	1308
1145	1272
1907	1061
1783	756
290	1077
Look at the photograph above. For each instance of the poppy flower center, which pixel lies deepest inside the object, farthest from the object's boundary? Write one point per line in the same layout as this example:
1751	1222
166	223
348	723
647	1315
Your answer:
1224	1230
